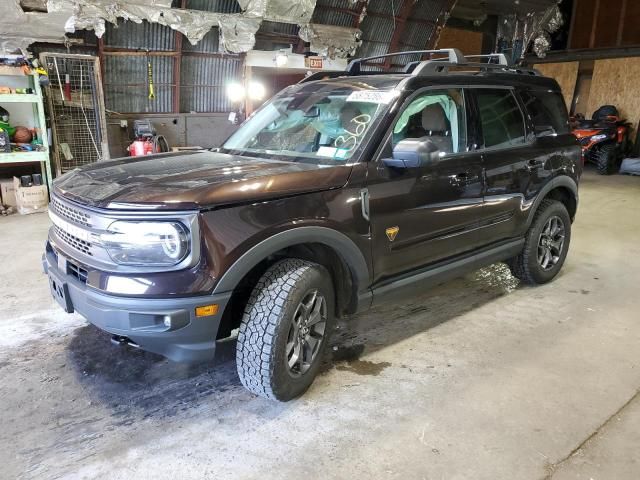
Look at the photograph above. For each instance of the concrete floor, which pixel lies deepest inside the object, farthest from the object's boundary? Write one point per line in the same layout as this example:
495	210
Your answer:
480	378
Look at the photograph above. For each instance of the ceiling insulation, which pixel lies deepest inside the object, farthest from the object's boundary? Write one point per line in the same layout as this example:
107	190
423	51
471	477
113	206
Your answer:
285	11
237	30
42	27
331	41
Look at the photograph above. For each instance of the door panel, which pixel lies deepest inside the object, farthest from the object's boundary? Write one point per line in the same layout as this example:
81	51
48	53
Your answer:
435	210
422	215
508	187
509	161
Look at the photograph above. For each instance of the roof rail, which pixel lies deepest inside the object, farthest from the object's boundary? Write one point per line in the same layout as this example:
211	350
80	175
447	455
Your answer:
496	62
434	67
501	58
455	56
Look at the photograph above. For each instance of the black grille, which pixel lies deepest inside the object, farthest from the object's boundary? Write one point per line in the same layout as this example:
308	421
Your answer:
73	214
77	271
75	242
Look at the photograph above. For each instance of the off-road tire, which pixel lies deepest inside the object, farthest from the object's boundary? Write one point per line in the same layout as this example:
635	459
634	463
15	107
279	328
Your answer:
261	349
525	266
606	159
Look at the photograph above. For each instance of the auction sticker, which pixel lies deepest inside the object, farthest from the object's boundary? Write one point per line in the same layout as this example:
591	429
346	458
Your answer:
372	96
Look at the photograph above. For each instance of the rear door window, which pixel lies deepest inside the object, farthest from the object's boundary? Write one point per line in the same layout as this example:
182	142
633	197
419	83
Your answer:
501	119
547	109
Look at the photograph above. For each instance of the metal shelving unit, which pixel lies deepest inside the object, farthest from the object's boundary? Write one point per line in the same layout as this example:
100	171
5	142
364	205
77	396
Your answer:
38	120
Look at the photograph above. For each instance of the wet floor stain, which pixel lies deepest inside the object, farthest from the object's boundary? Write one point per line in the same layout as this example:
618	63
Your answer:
363	367
347	359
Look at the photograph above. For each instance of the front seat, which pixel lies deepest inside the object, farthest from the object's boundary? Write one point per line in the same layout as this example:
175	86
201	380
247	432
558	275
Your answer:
347	116
436	126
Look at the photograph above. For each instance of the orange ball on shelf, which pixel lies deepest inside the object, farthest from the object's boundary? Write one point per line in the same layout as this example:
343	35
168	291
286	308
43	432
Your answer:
22	135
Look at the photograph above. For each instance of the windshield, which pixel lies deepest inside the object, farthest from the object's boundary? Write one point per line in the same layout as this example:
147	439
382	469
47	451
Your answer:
316	123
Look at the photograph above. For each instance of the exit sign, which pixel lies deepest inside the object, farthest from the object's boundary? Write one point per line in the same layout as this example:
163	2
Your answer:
313	62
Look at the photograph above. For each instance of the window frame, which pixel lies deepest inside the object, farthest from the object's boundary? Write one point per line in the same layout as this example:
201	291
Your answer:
531	120
529	136
388	134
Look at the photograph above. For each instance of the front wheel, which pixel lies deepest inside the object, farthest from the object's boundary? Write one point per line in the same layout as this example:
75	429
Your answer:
606	159
546	245
285	329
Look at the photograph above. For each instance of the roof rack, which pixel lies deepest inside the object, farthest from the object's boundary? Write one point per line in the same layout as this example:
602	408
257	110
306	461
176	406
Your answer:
496	62
454	56
500	58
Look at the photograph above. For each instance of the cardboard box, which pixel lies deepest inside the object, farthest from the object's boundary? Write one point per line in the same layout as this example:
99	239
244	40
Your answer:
8	192
31	199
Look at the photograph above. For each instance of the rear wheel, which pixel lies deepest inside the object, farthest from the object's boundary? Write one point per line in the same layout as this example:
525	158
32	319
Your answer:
546	245
606	159
285	329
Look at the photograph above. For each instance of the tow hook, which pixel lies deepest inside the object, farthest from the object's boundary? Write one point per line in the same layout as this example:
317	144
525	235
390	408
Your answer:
121	341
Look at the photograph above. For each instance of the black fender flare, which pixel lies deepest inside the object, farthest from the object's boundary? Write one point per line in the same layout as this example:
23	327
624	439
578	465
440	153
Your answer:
559	181
343	245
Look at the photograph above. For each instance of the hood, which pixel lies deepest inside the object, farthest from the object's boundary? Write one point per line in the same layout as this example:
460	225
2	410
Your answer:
194	180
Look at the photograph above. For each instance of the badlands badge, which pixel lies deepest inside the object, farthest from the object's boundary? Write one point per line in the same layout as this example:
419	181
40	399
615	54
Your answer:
392	232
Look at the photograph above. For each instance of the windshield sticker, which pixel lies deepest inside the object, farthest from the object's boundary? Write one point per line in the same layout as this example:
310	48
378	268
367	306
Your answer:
327	152
372	96
341	153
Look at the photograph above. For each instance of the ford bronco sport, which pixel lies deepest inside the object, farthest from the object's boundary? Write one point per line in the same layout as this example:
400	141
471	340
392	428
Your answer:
341	191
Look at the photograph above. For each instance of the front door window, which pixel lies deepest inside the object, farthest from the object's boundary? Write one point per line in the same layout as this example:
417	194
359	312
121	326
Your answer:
438	115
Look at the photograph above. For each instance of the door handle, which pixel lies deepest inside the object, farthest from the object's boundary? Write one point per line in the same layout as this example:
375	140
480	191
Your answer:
364	204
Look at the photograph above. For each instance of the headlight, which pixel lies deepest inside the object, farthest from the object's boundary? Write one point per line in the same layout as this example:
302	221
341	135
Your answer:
599	137
146	243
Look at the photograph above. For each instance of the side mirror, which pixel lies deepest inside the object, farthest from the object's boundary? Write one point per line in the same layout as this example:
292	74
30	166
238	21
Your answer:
413	153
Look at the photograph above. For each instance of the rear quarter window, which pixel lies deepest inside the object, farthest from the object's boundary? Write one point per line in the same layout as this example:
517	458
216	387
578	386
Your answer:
501	118
546	108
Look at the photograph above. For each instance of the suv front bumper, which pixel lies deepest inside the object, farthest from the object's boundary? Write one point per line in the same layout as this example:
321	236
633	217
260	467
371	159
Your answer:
166	326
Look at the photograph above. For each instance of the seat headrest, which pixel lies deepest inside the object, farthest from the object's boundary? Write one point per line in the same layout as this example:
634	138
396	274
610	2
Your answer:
347	114
434	119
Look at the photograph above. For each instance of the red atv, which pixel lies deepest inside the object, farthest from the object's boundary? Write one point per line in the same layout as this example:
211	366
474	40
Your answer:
604	139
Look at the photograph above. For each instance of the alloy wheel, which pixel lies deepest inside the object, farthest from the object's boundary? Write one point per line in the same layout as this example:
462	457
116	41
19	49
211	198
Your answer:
306	333
550	243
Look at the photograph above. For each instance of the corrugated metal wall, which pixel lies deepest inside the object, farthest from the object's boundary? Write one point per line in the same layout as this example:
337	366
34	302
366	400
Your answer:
203	83
326	14
126	86
378	24
135	36
203	77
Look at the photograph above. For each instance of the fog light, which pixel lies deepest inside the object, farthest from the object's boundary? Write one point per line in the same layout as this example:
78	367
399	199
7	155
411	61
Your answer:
167	321
206	310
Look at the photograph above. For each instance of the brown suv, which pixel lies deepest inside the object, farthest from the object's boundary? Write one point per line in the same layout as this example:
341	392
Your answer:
337	193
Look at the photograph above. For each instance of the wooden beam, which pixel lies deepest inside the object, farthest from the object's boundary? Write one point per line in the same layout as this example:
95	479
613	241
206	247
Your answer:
177	65
592	38
440	23
623	12
394	43
101	58
574	9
